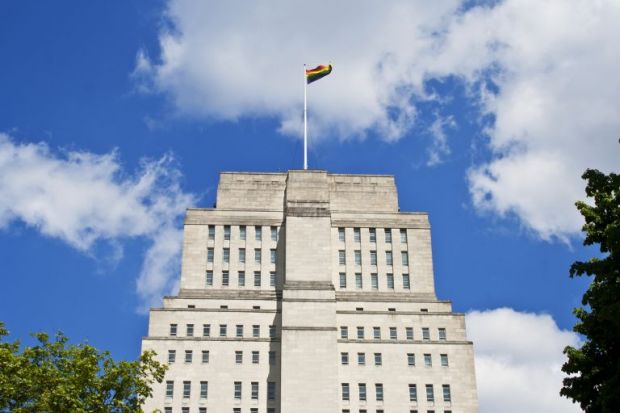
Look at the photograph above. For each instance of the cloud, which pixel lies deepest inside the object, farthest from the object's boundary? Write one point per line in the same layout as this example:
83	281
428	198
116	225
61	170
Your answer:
518	361
543	71
83	198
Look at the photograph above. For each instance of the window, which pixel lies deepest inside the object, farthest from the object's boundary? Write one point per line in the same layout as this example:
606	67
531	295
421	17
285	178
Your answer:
255	331
222	330
379	392
272	331
238	357
426	334
256	278
406	283
189	330
343	280
356	235
360	333
342	258
172	355
373	257
167	409
376	333
257	256
187	389
409	333
388	258
378	359
211	232
226	255
225	279
410	359
341	234
374	281
241	278
255	357
272	278
403	236
273	256
204	389
274	233
272	358
242	255
258	233
444	360
442	334
210	255
226	232
205	356
404	256
169	389
206	330
344	359
358	257
271	390
424	310
209	279
358	280
273	410
242	232
236	410
224	307
388	235
393	335
345	391
362	391
390	281
430	393
239	330
238	391
254	385
344	332
413	393
372	233
428	360
173	330
188	356
361	359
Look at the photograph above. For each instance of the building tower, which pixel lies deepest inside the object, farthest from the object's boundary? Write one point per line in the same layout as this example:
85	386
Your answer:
306	292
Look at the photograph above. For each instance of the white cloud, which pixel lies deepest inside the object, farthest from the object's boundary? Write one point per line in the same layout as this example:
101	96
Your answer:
518	361
83	198
553	63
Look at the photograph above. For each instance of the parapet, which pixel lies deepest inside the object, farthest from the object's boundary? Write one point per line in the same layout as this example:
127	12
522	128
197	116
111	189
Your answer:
333	192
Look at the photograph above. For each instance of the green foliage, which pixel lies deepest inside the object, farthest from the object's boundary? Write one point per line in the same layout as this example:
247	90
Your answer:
594	369
54	376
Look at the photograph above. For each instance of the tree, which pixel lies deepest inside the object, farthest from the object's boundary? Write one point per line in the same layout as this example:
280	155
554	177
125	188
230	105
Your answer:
594	369
55	376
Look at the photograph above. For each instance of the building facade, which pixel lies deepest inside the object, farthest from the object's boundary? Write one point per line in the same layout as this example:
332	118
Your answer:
306	292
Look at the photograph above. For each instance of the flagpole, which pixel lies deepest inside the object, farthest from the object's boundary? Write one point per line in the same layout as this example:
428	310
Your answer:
305	121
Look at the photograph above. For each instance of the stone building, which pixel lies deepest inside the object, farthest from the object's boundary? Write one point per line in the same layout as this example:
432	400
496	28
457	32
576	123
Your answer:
306	292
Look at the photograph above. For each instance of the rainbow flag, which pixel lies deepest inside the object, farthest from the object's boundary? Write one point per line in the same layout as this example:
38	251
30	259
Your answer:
317	73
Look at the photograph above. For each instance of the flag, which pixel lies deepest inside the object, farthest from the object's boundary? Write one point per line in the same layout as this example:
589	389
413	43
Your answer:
317	73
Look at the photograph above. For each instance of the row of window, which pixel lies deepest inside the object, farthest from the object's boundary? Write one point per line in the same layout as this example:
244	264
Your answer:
241	279
204	390
168	409
393	333
374	281
223	331
189	357
357	258
242	232
378	359
413	392
372	235
241	255
382	411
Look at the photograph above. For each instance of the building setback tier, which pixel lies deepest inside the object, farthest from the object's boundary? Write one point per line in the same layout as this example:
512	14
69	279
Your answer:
306	292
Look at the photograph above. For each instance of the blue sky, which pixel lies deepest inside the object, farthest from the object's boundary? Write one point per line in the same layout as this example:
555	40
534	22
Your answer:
115	116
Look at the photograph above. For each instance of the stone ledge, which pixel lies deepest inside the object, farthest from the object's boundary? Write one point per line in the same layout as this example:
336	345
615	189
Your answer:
384	297
168	338
410	342
301	328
